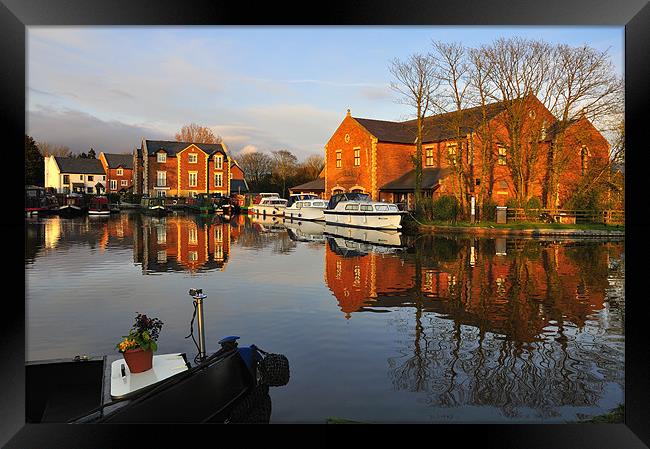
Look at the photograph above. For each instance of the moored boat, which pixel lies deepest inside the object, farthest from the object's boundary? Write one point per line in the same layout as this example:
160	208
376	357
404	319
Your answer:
38	201
359	210
273	206
153	206
305	207
73	206
99	206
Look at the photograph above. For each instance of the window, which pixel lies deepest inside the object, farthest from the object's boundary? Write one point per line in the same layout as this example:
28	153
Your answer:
218	179
351	207
193	235
193	256
502	155
162	157
161	234
89	189
124	182
194	158
218	254
91	178
218	234
584	155
66	179
451	149
81	177
339	162
113	184
192	178
429	157
162	256
120	172
104	178
381	208
161	193
366	207
357	157
161	179
218	162
503	185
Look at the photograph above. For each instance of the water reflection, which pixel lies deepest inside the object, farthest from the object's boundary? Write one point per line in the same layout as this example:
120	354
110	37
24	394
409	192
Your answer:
520	327
509	324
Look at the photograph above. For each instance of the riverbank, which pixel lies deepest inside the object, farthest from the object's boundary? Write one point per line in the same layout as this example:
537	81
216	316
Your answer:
522	229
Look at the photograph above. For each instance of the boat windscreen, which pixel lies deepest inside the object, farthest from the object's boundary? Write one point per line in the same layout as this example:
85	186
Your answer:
352	196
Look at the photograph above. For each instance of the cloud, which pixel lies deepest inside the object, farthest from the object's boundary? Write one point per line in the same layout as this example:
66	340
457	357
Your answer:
81	131
376	93
248	149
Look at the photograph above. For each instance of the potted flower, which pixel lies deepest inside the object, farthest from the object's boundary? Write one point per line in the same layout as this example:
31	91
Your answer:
138	347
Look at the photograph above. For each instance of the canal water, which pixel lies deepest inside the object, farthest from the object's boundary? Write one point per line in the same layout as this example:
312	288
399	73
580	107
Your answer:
377	327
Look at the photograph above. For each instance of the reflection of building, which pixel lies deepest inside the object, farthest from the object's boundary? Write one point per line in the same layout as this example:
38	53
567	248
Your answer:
182	244
516	295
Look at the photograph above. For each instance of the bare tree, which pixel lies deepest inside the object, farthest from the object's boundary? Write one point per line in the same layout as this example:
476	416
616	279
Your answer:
284	166
313	165
48	149
197	134
584	85
453	73
416	83
257	166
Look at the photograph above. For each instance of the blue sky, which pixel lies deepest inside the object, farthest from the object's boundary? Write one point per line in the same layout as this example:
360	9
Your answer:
260	88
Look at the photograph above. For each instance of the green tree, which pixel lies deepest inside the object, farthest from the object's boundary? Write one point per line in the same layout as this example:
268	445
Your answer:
91	154
34	166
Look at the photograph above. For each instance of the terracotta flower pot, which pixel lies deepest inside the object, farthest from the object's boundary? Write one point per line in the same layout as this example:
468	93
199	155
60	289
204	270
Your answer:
138	360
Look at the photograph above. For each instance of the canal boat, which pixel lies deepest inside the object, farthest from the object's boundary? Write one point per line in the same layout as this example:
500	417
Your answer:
153	206
99	206
226	386
39	202
305	207
359	210
273	206
73	206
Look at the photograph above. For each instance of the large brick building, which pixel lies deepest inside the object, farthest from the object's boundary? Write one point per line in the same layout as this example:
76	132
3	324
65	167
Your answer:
167	168
376	156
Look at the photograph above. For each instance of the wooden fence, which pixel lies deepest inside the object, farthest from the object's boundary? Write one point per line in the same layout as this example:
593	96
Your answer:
567	215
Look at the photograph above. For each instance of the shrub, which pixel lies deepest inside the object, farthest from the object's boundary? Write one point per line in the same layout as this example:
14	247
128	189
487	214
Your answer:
532	207
445	208
489	211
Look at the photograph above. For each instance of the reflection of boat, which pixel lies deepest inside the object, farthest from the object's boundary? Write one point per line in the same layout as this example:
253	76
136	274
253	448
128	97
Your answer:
369	239
305	231
270	206
218	388
74	205
98	206
154	206
267	223
357	209
306	207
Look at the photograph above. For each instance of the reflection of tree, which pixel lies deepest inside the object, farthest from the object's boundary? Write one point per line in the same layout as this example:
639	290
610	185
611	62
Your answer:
534	344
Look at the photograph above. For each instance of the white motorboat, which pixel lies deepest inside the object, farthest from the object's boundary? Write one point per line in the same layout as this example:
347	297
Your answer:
358	210
270	206
305	207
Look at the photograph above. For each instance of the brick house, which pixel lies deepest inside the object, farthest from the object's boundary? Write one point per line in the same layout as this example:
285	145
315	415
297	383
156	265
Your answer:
119	171
238	182
168	168
375	156
69	174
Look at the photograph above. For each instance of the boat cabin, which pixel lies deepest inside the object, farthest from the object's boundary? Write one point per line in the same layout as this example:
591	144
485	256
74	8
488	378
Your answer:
299	197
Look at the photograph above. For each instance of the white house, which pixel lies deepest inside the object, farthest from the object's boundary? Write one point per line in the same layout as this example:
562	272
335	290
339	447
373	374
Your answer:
67	174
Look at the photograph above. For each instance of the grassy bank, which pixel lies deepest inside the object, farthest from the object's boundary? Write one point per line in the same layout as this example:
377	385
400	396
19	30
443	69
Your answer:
615	416
524	225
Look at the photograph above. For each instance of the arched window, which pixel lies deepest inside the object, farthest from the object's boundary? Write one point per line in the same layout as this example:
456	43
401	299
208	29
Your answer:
584	158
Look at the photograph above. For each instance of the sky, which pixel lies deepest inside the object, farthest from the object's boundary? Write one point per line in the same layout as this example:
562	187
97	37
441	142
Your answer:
260	88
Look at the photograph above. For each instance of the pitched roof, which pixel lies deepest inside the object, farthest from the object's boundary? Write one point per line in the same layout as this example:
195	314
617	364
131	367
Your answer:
316	184
238	186
173	147
115	160
430	179
79	165
436	127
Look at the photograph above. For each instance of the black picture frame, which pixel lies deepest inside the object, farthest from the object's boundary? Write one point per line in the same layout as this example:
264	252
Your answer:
15	15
